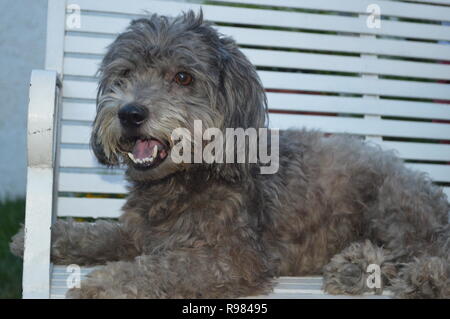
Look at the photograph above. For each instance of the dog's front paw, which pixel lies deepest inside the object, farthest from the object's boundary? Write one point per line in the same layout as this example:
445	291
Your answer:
17	243
347	273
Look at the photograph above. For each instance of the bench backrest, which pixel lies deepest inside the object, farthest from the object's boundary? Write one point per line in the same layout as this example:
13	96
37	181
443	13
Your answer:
325	64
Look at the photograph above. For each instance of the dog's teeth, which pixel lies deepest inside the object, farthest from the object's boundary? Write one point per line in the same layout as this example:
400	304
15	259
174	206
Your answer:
131	156
155	151
143	160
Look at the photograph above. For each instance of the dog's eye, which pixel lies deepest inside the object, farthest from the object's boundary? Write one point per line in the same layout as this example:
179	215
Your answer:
118	82
183	78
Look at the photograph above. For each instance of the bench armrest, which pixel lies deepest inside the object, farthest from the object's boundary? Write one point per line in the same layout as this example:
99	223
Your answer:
42	135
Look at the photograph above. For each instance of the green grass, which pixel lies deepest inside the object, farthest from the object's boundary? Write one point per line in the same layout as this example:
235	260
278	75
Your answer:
11	216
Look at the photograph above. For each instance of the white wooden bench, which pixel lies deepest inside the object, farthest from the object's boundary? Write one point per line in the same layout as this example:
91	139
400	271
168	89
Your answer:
322	65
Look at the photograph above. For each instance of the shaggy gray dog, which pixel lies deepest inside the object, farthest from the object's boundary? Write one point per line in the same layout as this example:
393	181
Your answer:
335	206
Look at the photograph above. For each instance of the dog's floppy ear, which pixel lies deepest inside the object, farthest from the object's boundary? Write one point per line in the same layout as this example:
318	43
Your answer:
241	91
103	119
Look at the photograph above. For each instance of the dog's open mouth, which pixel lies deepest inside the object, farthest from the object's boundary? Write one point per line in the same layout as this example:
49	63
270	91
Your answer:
148	153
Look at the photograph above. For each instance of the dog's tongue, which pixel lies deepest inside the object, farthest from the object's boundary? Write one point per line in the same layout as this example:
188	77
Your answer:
144	148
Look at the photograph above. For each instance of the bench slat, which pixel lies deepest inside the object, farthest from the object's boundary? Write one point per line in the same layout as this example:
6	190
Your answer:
365	126
84	158
80	134
355	105
90	207
105	207
418	151
114	183
295	40
85	111
284	19
353	85
299	288
78	111
438	173
388	8
307	61
92	183
447	2
313	83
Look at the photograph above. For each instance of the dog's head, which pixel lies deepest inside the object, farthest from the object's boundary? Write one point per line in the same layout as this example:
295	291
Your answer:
162	74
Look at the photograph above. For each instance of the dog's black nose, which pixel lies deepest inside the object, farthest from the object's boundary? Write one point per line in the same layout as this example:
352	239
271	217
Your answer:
132	115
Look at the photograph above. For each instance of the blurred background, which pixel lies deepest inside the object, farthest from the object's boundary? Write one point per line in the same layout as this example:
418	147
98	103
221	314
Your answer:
22	48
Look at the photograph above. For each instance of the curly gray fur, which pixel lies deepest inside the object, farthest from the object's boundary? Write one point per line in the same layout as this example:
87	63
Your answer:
336	204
